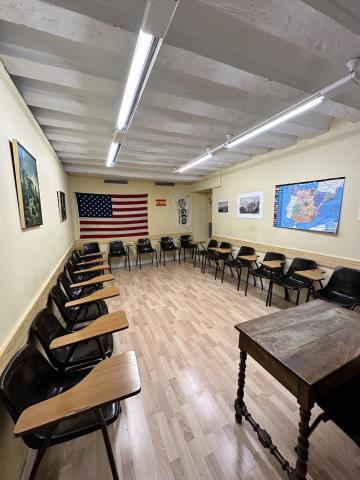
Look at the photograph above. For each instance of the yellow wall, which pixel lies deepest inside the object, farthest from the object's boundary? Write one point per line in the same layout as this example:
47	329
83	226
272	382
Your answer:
161	220
27	257
334	154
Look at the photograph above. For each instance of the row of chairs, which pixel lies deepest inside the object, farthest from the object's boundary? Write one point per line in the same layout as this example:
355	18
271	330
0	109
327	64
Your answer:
343	287
60	353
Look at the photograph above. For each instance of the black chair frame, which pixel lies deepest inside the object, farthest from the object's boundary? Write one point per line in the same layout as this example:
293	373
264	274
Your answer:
118	249
144	247
167	245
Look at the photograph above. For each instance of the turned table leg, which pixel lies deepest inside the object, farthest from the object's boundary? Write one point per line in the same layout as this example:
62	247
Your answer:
302	449
239	402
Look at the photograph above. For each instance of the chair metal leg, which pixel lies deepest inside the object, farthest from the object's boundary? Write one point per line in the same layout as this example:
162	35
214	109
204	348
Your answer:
109	260
140	259
238	271
128	259
41	453
156	257
247	280
179	255
223	271
216	268
286	294
107	443
298	296
184	255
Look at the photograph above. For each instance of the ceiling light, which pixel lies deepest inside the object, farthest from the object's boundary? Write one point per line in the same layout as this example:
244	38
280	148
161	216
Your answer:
139	72
113	153
194	162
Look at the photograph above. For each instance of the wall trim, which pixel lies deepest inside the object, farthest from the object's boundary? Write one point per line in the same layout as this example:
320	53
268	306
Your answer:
105	241
19	335
321	259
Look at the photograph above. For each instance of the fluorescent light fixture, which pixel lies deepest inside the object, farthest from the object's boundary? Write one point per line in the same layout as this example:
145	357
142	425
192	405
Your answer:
277	120
113	153
138	64
194	162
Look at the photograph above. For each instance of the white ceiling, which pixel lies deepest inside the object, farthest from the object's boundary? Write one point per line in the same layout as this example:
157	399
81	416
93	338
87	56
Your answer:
225	66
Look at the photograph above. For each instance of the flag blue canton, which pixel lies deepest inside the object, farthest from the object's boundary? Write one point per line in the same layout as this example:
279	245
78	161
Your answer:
94	205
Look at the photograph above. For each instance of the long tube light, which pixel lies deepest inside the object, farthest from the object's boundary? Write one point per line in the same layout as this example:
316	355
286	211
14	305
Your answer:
336	88
113	153
277	120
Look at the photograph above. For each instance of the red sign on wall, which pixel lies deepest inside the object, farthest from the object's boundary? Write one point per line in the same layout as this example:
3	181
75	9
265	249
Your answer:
160	202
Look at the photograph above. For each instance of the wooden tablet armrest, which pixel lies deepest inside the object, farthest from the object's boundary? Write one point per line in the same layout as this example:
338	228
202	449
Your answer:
109	323
92	261
101	294
94	269
111	380
93	281
95	254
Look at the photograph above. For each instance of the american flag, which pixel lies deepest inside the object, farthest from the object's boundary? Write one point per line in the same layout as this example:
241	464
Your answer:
110	216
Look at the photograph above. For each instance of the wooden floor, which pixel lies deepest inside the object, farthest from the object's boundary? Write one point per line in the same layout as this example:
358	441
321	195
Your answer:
181	425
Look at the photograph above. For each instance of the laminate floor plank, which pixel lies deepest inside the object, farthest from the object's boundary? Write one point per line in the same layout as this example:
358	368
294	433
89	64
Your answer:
182	425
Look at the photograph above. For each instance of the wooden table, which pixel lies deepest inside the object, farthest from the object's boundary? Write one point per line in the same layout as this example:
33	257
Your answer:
100	294
315	275
310	349
111	380
93	281
272	265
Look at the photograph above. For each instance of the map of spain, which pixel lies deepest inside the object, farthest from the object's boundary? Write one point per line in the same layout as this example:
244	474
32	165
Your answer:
310	205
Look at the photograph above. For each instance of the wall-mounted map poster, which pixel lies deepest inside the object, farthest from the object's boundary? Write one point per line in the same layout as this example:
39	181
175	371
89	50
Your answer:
311	205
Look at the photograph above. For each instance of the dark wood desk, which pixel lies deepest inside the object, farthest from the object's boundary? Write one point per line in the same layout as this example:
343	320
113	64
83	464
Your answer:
310	349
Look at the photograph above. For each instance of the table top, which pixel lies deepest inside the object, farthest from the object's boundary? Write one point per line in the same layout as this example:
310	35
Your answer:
272	263
315	275
109	323
221	250
94	260
115	378
99	279
304	346
94	254
250	258
100	294
104	266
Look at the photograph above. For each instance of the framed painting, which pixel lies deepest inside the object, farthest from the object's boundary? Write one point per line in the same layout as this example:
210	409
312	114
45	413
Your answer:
62	205
27	186
250	205
223	206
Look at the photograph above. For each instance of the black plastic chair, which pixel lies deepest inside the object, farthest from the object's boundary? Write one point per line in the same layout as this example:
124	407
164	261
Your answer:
186	244
144	247
90	247
78	277
80	314
239	263
46	327
343	288
217	257
291	281
167	245
118	249
74	293
29	379
341	406
201	251
263	272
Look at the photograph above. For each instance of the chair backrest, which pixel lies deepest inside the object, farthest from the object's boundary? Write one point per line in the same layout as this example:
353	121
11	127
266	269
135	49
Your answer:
346	281
91	247
25	380
144	244
212	243
116	248
301	264
63	280
70	270
76	255
185	241
166	242
274	256
225	245
46	327
59	298
244	250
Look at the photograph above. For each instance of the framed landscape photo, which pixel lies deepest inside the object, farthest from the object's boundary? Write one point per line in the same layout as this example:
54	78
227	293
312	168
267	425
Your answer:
62	205
27	186
250	205
223	206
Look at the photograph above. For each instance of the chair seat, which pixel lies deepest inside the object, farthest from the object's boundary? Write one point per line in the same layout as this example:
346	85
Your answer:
85	353
147	250
342	407
293	282
91	312
265	273
237	263
168	248
71	428
336	297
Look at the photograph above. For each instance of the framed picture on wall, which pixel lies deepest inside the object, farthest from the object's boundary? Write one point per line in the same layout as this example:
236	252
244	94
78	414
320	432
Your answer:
223	206
250	205
62	205
27	186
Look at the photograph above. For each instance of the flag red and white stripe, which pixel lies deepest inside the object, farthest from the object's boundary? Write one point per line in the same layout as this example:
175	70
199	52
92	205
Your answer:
129	219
